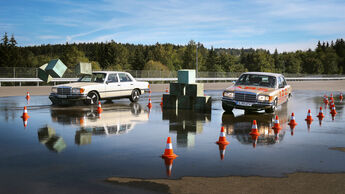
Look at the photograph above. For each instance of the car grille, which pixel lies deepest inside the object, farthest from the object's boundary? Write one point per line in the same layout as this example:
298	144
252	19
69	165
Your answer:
245	97
64	91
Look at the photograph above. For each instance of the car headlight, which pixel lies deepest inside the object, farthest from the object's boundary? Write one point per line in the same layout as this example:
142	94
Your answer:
77	90
228	94
54	90
263	98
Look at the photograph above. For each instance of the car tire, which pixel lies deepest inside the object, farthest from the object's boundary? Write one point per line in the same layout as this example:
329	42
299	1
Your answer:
92	98
227	108
273	107
135	96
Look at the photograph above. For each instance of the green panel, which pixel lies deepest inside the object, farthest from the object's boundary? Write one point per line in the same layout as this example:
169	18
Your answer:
83	68
186	76
56	143
177	89
169	101
185	102
203	103
43	75
56	68
195	90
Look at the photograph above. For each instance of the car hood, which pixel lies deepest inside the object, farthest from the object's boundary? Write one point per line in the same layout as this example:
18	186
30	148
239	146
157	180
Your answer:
79	84
253	89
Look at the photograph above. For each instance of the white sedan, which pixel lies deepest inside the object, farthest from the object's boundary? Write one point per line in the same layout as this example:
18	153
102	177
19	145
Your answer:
100	85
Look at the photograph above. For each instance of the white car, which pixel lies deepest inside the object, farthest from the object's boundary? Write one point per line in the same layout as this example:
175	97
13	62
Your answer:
89	89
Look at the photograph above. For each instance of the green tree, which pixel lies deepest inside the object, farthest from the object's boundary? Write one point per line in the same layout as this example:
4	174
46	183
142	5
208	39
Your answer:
155	65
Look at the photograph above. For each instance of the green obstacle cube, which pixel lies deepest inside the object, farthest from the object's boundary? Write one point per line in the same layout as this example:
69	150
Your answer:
186	76
56	68
185	102
83	68
83	137
56	143
203	103
43	75
177	89
169	101
195	90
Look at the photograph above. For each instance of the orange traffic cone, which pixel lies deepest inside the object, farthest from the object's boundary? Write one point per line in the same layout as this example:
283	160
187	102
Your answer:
333	111
341	97
255	130
320	115
149	104
168	165
222	137
276	124
25	113
331	98
222	148
162	101
27	96
309	117
292	122
168	152
326	101
167	90
99	109
331	105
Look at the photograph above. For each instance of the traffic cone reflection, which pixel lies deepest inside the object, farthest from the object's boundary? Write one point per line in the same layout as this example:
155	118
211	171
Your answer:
254	133
341	97
331	97
222	148
27	96
25	122
168	152
325	100
99	108
222	137
162	101
168	165
333	111
166	90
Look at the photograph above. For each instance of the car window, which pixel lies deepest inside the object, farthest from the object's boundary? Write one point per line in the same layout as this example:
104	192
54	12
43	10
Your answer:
280	82
95	77
257	80
124	77
284	81
112	78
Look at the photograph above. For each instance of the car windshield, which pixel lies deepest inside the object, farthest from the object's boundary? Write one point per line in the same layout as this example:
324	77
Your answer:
257	80
95	77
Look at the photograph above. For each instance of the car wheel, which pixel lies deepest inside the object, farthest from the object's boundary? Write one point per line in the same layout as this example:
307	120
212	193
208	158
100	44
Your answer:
273	107
227	108
92	98
135	96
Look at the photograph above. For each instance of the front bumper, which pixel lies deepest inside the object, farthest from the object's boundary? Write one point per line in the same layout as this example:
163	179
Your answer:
66	99
252	106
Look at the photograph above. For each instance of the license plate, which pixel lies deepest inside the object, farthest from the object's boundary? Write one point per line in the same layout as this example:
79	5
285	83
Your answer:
62	96
244	103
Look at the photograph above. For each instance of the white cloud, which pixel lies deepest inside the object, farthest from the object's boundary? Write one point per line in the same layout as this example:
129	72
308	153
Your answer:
48	37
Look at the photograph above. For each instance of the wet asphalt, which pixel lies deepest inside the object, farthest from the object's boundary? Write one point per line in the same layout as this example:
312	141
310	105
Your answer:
69	149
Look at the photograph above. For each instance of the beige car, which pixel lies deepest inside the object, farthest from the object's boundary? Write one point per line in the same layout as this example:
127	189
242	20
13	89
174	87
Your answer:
257	91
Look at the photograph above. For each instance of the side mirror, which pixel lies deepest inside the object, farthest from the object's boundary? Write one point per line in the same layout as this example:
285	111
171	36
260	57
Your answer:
281	86
107	82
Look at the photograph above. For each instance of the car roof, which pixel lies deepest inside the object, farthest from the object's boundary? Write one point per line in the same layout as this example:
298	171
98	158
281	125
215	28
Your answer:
109	72
264	73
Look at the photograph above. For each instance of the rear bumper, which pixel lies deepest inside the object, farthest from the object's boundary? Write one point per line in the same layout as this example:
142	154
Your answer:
254	105
66	99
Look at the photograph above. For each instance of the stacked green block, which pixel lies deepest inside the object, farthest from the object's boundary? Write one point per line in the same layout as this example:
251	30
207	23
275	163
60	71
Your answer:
83	68
43	75
56	68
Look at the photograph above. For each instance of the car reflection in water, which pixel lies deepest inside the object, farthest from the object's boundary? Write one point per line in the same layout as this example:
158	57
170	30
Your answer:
186	124
116	119
240	126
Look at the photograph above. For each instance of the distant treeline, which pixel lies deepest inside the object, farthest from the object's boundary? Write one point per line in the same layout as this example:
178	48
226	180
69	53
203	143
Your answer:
327	58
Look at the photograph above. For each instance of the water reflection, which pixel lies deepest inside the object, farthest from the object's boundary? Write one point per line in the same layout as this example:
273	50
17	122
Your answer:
116	119
47	136
186	124
240	126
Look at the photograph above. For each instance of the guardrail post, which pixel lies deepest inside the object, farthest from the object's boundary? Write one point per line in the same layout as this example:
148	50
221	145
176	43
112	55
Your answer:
38	83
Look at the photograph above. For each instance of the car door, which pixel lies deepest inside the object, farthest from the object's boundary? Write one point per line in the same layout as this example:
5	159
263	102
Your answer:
126	84
113	87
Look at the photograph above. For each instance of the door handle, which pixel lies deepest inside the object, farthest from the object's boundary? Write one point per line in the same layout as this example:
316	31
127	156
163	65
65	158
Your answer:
131	84
118	85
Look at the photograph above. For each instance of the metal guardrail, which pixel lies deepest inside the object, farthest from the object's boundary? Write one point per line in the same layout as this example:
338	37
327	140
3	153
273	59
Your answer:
223	79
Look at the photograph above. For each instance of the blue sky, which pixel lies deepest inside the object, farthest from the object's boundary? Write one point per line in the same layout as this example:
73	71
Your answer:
285	25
